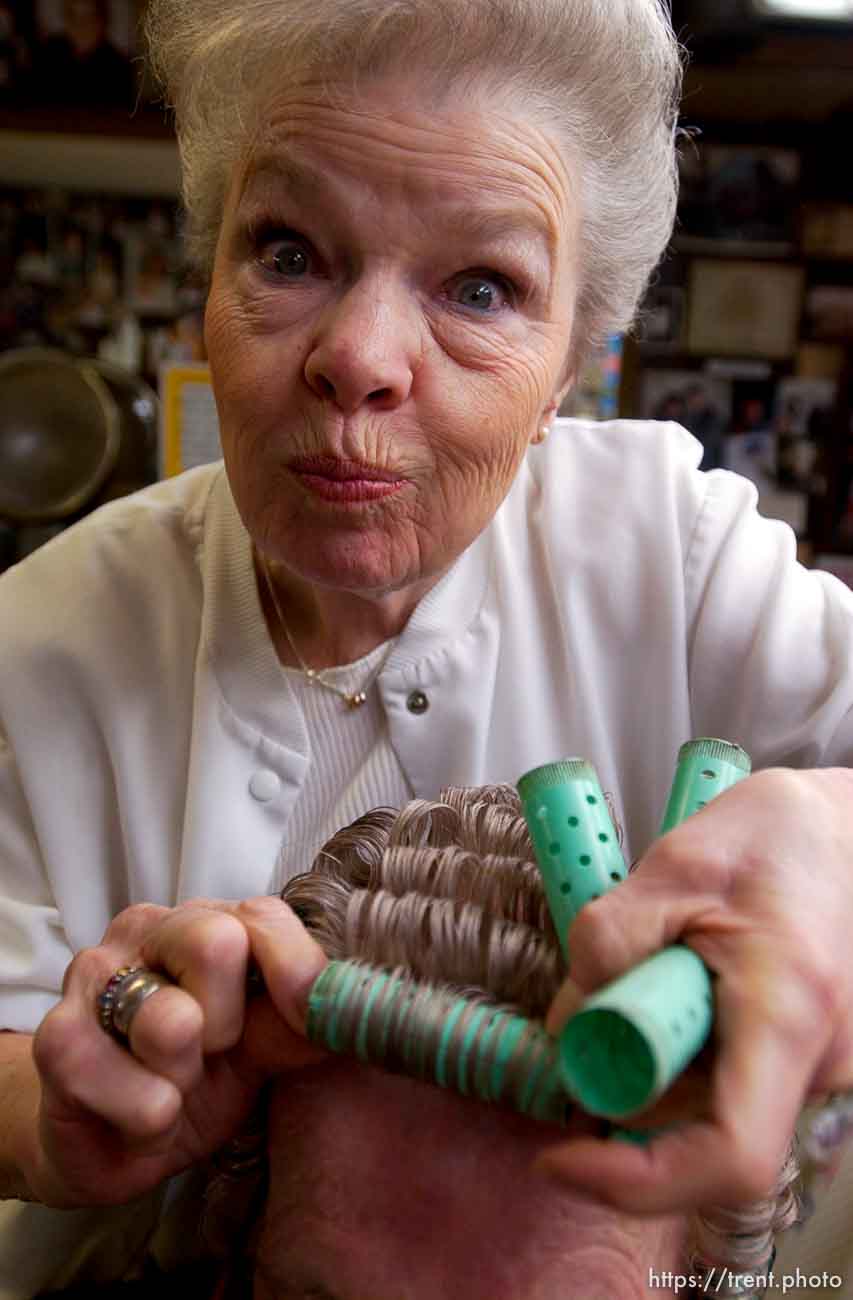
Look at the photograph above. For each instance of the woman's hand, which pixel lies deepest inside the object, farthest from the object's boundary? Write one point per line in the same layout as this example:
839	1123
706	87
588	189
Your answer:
760	885
115	1118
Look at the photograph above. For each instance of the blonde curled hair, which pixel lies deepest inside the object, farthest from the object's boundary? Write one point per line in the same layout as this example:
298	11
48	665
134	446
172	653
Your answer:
449	891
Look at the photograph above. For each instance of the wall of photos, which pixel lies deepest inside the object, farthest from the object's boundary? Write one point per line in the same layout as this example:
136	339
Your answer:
99	271
97	275
746	335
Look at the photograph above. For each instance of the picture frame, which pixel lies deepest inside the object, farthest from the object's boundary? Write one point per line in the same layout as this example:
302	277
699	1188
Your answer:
668	395
699	402
744	308
802	404
740	200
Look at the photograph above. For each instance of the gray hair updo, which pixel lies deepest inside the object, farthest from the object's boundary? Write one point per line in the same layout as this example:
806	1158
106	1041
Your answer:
604	74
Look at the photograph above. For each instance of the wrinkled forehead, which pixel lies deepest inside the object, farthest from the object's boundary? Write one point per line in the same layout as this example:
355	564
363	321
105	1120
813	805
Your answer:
487	148
376	1178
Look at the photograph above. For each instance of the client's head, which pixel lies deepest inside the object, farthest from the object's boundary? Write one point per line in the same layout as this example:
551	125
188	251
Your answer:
386	1188
382	1187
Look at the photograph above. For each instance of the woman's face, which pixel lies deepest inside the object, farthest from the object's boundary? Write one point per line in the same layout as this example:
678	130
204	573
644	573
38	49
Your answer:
388	326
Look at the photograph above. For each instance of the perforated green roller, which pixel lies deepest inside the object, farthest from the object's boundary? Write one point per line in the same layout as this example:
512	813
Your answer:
632	1038
574	838
705	769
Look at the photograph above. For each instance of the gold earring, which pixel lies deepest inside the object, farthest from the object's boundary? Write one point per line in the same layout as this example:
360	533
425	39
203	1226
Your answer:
539	438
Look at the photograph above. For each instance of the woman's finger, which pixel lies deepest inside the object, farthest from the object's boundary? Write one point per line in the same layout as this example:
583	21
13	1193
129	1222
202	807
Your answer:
202	948
127	931
166	1034
206	951
734	1155
288	959
687	1100
90	1072
653	908
206	947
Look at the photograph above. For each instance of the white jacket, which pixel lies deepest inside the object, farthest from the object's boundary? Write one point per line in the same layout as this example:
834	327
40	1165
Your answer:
620	603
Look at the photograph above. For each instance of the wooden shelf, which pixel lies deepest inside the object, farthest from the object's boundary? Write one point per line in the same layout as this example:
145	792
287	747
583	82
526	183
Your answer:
90	163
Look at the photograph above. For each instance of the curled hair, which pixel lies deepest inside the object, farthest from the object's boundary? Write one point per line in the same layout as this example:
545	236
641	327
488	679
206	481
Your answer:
605	75
394	890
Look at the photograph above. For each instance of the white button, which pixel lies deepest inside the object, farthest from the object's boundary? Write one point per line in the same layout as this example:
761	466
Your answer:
264	785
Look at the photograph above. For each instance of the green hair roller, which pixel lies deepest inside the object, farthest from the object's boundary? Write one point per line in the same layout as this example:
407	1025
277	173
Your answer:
632	1038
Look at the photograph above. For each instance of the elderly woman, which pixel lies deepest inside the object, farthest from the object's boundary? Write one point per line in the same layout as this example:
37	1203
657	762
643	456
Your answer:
417	218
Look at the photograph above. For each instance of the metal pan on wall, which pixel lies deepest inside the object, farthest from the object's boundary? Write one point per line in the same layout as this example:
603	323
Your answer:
60	435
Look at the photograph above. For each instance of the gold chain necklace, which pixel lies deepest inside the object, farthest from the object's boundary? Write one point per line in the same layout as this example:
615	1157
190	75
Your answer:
315	676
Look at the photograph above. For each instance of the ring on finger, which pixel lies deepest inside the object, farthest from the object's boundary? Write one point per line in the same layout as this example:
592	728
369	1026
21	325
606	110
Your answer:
124	993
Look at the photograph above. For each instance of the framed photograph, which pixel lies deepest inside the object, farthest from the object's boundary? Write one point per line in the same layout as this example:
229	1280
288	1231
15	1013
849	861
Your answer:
678	394
189	427
701	403
803	420
740	198
746	309
829	312
802	404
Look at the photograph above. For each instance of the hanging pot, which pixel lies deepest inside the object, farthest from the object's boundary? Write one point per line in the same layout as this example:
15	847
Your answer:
60	435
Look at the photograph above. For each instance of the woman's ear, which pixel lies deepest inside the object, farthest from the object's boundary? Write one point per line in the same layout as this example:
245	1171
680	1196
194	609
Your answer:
568	381
545	422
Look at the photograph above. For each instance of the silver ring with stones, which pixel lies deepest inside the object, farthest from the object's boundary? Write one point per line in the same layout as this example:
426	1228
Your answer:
124	993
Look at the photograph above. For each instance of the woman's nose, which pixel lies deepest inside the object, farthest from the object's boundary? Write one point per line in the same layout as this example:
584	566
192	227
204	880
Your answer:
364	350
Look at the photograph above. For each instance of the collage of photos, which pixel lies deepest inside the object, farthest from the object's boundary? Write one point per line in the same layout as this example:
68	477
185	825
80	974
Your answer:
97	277
778	432
747	331
754	266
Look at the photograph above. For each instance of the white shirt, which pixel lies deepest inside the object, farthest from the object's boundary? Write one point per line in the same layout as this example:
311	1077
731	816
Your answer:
352	766
619	603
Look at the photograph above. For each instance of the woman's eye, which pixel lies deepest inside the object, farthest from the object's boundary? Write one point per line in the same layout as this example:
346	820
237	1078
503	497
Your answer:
483	293
288	258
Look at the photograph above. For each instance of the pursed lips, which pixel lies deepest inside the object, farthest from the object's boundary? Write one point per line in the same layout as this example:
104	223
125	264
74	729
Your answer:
345	482
342	471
